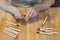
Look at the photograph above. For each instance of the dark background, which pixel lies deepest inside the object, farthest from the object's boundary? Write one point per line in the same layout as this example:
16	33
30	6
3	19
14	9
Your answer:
57	3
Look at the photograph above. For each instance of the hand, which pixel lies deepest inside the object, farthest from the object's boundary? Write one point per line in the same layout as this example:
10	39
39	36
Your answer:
31	12
16	12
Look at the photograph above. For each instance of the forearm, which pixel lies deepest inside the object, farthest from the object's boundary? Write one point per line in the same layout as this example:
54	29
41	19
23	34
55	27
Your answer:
45	4
5	6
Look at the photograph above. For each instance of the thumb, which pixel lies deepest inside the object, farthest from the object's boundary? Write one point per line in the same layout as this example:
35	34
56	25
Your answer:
18	16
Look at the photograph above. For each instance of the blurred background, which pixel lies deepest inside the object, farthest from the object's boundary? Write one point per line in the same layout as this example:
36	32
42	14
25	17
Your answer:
57	3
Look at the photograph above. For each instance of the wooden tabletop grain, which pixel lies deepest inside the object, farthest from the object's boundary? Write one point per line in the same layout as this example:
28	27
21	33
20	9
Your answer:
29	29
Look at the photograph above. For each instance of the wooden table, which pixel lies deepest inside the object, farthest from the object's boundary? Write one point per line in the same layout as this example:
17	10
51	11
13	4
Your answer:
29	29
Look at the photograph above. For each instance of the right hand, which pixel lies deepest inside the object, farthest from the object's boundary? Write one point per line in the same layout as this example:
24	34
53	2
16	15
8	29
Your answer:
16	12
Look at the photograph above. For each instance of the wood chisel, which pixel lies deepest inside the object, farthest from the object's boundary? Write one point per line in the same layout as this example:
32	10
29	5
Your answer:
43	22
11	23
13	32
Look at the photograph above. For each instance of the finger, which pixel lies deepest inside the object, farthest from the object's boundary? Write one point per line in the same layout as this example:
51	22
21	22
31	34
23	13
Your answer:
34	14
18	16
28	13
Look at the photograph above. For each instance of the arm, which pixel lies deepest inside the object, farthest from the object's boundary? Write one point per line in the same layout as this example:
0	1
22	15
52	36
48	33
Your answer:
13	10
4	4
33	11
45	4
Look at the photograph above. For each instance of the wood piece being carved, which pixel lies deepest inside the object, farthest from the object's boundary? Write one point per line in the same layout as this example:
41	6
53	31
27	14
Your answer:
23	11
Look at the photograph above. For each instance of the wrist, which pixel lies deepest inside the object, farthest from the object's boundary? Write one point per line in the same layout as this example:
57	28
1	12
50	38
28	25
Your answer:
36	8
11	10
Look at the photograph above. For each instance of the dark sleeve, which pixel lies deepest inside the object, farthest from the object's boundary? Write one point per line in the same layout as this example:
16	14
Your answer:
56	4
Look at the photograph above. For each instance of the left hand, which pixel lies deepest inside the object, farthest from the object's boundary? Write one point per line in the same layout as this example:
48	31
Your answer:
31	12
